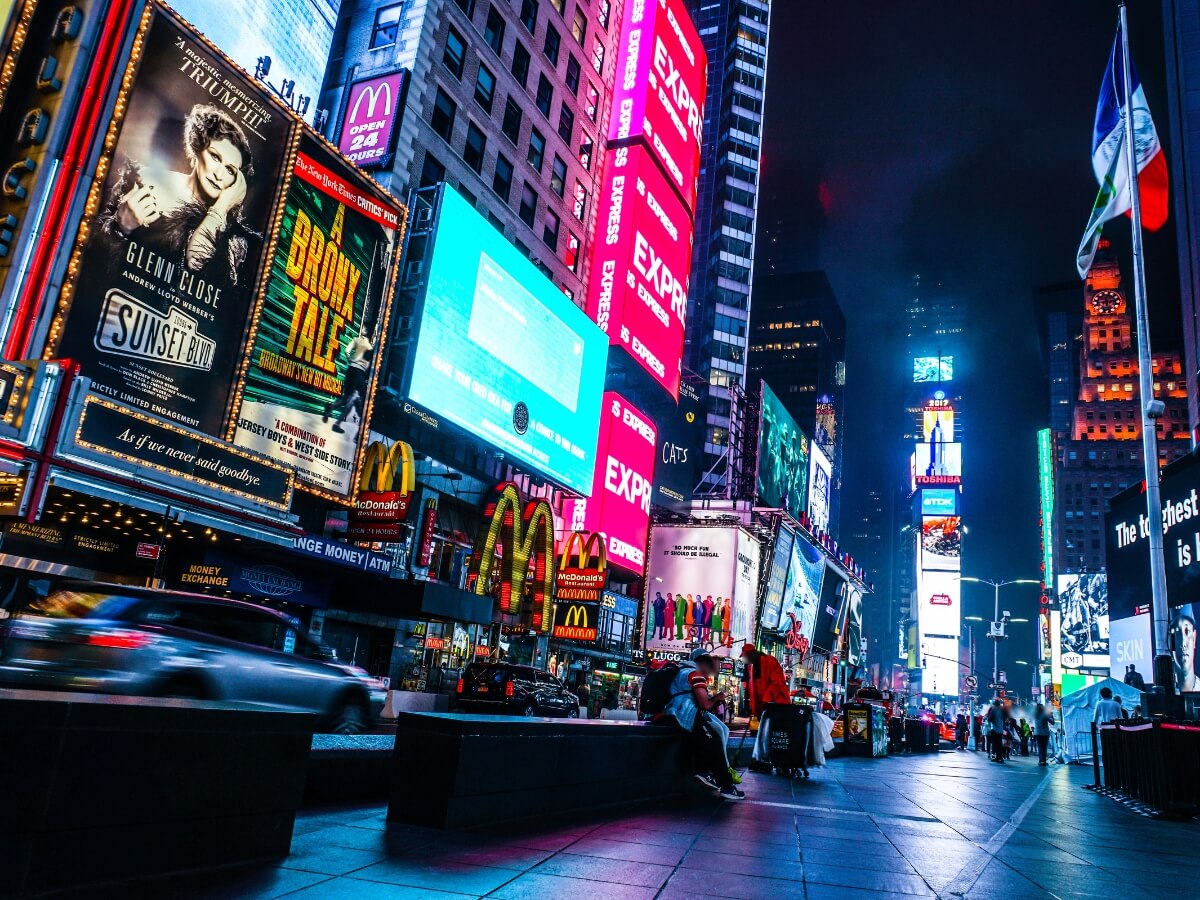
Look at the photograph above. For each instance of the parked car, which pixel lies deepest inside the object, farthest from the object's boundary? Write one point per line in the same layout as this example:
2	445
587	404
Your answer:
512	690
114	639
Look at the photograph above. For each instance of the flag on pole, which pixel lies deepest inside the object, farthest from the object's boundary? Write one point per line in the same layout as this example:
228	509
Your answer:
1109	159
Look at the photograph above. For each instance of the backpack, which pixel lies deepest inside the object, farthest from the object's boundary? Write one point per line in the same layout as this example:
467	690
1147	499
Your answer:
656	689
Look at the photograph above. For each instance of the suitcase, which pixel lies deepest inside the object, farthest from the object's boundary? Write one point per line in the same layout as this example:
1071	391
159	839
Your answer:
789	739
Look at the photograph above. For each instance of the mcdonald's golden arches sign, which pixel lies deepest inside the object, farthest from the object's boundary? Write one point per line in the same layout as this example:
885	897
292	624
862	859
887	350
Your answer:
385	490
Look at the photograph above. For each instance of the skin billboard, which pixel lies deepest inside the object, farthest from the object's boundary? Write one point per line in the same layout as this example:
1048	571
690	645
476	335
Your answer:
783	457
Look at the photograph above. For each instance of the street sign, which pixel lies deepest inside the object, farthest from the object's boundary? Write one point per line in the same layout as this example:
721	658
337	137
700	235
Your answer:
996	686
971	682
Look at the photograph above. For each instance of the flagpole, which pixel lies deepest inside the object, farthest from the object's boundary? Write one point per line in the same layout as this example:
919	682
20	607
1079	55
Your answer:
1151	408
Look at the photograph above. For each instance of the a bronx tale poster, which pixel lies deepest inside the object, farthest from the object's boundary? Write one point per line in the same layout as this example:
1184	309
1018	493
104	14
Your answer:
158	312
313	360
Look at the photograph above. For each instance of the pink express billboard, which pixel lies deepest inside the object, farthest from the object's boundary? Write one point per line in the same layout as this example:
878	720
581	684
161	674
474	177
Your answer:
641	260
659	90
619	507
373	110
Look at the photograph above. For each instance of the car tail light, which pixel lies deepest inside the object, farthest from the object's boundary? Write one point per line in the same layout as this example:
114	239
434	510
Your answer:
508	689
458	687
119	640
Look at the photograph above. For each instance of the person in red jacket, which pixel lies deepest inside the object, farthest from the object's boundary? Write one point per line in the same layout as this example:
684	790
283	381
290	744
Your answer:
767	681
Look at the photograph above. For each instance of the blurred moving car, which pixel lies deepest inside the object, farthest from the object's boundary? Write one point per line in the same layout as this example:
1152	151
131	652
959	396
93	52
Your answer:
511	690
115	639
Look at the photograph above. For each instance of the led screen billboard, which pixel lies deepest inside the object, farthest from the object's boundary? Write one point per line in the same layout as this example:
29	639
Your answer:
939	501
937	422
641	261
1182	641
832	610
854	627
937	464
619	507
679	437
503	354
820	488
659	90
1083	601
294	35
802	590
170	261
781	558
933	368
372	115
938	594
941	543
940	666
704	589
309	381
783	457
1130	644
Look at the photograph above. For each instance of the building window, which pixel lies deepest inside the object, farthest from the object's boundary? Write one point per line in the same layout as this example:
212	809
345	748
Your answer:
550	230
581	196
442	119
387	26
566	123
470	198
545	95
585	153
603	12
493	31
558	5
592	105
571	256
598	55
485	88
496	221
511	126
502	180
574	70
537	149
467	6
558	176
579	26
432	171
520	63
476	144
529	13
455	53
552	45
528	210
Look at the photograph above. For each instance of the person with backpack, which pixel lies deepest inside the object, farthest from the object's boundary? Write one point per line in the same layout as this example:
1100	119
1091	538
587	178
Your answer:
680	691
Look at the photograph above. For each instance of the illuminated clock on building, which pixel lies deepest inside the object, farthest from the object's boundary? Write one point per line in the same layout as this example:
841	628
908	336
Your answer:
1106	303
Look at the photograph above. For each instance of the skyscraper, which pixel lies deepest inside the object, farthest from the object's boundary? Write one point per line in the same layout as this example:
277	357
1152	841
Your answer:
734	33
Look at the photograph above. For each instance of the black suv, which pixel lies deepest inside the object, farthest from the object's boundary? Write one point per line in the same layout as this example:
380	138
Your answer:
510	690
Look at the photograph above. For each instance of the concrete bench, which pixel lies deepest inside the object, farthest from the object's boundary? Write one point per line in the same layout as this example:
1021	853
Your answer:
100	789
453	770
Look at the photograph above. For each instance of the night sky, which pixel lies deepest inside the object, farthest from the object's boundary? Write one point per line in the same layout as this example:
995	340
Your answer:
952	140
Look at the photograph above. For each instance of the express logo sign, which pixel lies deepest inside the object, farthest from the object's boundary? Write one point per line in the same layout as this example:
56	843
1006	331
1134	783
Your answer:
373	109
638	289
619	507
660	88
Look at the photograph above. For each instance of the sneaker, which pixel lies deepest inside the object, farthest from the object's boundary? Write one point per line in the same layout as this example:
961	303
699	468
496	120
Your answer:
707	780
733	774
733	793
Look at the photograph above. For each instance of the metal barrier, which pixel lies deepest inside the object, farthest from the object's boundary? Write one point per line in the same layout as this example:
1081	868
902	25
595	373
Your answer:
1151	762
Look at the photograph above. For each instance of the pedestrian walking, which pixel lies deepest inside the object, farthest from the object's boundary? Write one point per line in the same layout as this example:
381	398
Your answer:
960	732
1043	719
1025	733
1108	709
977	730
995	723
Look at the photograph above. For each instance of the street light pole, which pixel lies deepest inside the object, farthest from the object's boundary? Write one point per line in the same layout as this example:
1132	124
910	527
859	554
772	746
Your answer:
996	642
997	629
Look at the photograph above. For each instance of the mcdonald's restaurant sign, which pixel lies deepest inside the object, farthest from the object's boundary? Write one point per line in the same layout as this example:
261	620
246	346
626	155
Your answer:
525	537
575	621
385	490
583	578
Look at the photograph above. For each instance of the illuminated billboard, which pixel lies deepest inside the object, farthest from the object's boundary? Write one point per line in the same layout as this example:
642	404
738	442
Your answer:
820	488
704	587
1046	497
502	353
619	507
1182	641
783	457
781	558
170	261
1083	602
854	627
940	666
679	436
372	113
294	36
832	612
1130	644
939	501
938	464
939	597
659	90
937	422
802	590
641	261
933	368
941	543
310	378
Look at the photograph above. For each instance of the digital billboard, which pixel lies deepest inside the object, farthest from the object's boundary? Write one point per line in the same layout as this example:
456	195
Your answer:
941	543
1182	641
802	590
820	488
1130	643
1083	601
939	501
940	666
170	261
783	457
659	90
832	610
937	422
294	35
781	558
939	597
937	465
372	115
933	368
619	507
309	380
641	261
502	353
704	586
854	627
679	438
1046	502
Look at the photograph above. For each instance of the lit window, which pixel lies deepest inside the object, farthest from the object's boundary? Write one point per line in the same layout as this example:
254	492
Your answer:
579	26
571	257
387	26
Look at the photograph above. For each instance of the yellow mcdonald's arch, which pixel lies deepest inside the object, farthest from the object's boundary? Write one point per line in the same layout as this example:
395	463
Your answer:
526	537
382	465
575	613
586	546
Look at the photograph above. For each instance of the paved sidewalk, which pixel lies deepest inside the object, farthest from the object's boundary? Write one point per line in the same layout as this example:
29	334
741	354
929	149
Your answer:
951	825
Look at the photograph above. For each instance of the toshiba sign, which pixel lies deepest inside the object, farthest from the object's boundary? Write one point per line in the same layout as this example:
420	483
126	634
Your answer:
619	507
659	90
641	259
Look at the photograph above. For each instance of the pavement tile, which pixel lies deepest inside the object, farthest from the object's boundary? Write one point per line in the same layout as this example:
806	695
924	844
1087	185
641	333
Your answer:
516	858
749	848
699	883
867	859
707	860
808	844
594	868
346	887
532	886
461	878
330	860
548	841
632	852
838	892
644	836
1000	880
265	881
851	875
739	835
861	833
